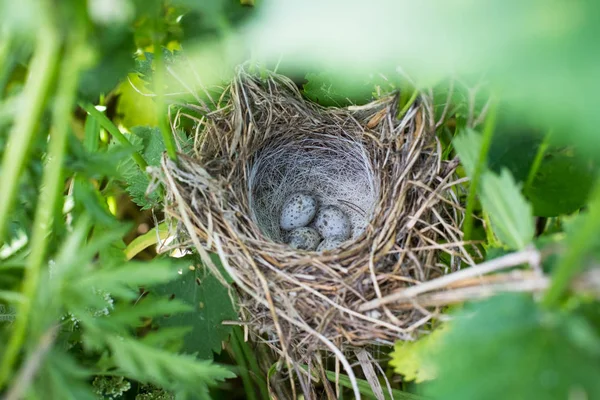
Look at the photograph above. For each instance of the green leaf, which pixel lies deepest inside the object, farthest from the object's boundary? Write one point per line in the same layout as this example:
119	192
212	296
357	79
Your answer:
152	143
88	200
514	147
562	184
62	377
172	371
94	163
114	47
468	145
581	251
511	216
149	139
501	198
508	348
563	179
120	280
75	254
133	108
413	359
82	287
166	338
132	314
91	137
137	187
209	19
555	79
209	304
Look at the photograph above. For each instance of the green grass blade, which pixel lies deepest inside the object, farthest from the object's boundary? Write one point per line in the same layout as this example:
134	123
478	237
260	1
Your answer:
92	134
259	377
51	191
488	132
243	367
579	243
39	79
537	161
6	44
365	388
159	90
114	131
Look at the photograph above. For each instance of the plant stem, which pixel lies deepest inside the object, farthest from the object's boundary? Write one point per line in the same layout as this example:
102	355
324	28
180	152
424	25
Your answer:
488	133
530	256
27	373
579	241
91	137
114	131
537	161
365	387
409	103
5	45
159	90
251	357
51	192
491	238
6	61
243	367
39	80
140	243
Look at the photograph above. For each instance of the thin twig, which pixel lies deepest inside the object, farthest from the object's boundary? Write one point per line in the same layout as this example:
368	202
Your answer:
27	372
532	282
529	256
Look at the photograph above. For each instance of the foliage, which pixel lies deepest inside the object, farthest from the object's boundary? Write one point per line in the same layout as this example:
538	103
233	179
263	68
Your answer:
209	306
563	176
544	69
65	254
562	184
114	47
110	386
519	351
79	196
135	108
413	360
149	140
511	215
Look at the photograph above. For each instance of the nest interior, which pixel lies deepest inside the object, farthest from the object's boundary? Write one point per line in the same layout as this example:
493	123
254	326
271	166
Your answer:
333	166
226	193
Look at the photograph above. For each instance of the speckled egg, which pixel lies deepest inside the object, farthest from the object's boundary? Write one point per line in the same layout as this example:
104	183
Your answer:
330	243
304	238
331	221
298	210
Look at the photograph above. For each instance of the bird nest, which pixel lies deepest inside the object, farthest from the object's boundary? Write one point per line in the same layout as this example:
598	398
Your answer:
261	141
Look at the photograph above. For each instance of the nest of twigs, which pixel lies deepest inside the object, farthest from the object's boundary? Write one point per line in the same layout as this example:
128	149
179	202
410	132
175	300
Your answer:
263	140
